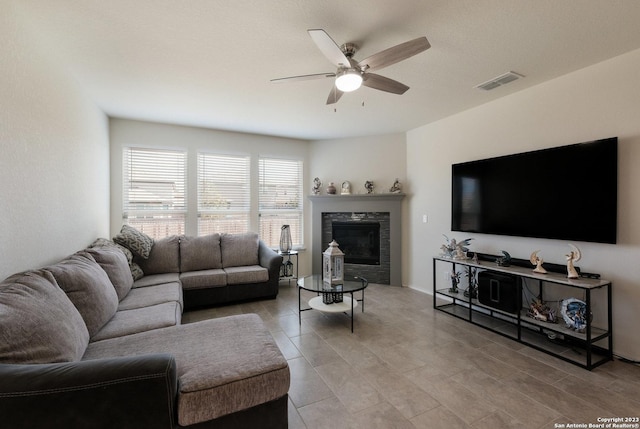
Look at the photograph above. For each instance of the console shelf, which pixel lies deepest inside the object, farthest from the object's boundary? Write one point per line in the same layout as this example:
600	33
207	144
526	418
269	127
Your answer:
588	348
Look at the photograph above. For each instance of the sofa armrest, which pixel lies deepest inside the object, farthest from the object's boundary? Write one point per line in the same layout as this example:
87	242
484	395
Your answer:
129	392
269	259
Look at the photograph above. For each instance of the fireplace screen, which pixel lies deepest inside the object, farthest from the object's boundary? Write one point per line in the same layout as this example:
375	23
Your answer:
359	241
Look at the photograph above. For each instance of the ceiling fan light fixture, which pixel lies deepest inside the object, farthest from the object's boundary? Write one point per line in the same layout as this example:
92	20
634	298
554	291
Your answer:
348	80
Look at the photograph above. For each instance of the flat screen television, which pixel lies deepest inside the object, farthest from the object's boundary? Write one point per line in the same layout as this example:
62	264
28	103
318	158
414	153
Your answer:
566	193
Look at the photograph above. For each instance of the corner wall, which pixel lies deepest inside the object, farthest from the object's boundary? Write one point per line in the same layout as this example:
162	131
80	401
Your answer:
600	101
381	159
54	166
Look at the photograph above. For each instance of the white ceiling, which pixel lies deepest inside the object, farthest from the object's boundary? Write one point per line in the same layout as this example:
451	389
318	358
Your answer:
209	62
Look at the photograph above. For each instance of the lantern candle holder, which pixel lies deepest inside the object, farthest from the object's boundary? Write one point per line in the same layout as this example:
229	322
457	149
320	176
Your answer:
333	265
327	295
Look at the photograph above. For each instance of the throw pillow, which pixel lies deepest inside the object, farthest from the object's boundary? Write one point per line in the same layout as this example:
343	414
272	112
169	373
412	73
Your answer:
39	323
136	271
136	241
88	287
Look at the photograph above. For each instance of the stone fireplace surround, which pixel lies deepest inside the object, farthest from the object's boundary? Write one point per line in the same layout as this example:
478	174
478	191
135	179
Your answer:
360	205
379	273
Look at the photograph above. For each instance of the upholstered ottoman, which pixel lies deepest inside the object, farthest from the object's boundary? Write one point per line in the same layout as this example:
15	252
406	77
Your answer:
223	365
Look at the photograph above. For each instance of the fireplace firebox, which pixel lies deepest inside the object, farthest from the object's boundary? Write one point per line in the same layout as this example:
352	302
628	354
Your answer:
359	241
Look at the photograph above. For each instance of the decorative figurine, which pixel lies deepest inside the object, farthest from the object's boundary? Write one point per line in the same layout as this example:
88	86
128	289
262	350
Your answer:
456	250
505	260
316	186
574	313
472	290
396	188
573	256
455	280
368	185
537	261
541	311
346	188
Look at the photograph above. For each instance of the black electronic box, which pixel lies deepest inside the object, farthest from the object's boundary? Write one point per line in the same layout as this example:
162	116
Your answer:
499	291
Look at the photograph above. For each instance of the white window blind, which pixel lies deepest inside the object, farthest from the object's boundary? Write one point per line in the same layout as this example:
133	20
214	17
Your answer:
154	197
280	199
224	193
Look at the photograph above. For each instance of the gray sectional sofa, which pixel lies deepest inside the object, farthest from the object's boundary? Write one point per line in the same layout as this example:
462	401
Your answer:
84	345
212	269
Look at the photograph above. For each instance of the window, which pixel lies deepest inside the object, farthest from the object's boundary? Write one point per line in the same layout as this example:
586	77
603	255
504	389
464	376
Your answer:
280	199
154	199
224	193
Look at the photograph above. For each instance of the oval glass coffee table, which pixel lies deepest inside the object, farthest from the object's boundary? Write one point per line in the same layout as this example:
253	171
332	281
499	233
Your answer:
331	298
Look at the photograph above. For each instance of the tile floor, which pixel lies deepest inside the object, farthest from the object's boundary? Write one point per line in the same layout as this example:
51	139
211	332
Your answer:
408	366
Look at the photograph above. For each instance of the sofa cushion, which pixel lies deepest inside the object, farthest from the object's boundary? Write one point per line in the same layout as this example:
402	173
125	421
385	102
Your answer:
152	295
88	287
224	365
203	279
115	264
200	253
156	279
246	274
239	249
136	241
39	323
136	271
127	322
163	258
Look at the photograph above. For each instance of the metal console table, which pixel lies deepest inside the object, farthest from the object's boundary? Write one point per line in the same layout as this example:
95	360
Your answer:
586	348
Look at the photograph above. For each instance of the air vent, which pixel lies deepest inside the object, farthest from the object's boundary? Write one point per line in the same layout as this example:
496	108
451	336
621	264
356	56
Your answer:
503	79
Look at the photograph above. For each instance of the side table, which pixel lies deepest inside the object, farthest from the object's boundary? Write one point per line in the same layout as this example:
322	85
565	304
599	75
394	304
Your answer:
287	270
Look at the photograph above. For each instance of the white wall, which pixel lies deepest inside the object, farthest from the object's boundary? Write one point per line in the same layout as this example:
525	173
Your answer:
54	164
124	132
597	102
381	159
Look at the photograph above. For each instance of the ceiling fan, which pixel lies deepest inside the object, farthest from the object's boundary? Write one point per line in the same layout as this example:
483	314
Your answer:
351	73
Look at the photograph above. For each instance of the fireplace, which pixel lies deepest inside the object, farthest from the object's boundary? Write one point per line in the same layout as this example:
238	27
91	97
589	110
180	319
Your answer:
360	241
384	210
364	238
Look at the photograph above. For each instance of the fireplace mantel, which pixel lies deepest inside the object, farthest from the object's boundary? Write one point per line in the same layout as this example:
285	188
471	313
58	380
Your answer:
356	197
359	203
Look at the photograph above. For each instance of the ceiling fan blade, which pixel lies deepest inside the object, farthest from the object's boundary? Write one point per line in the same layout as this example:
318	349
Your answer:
329	48
395	54
382	83
303	77
334	95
